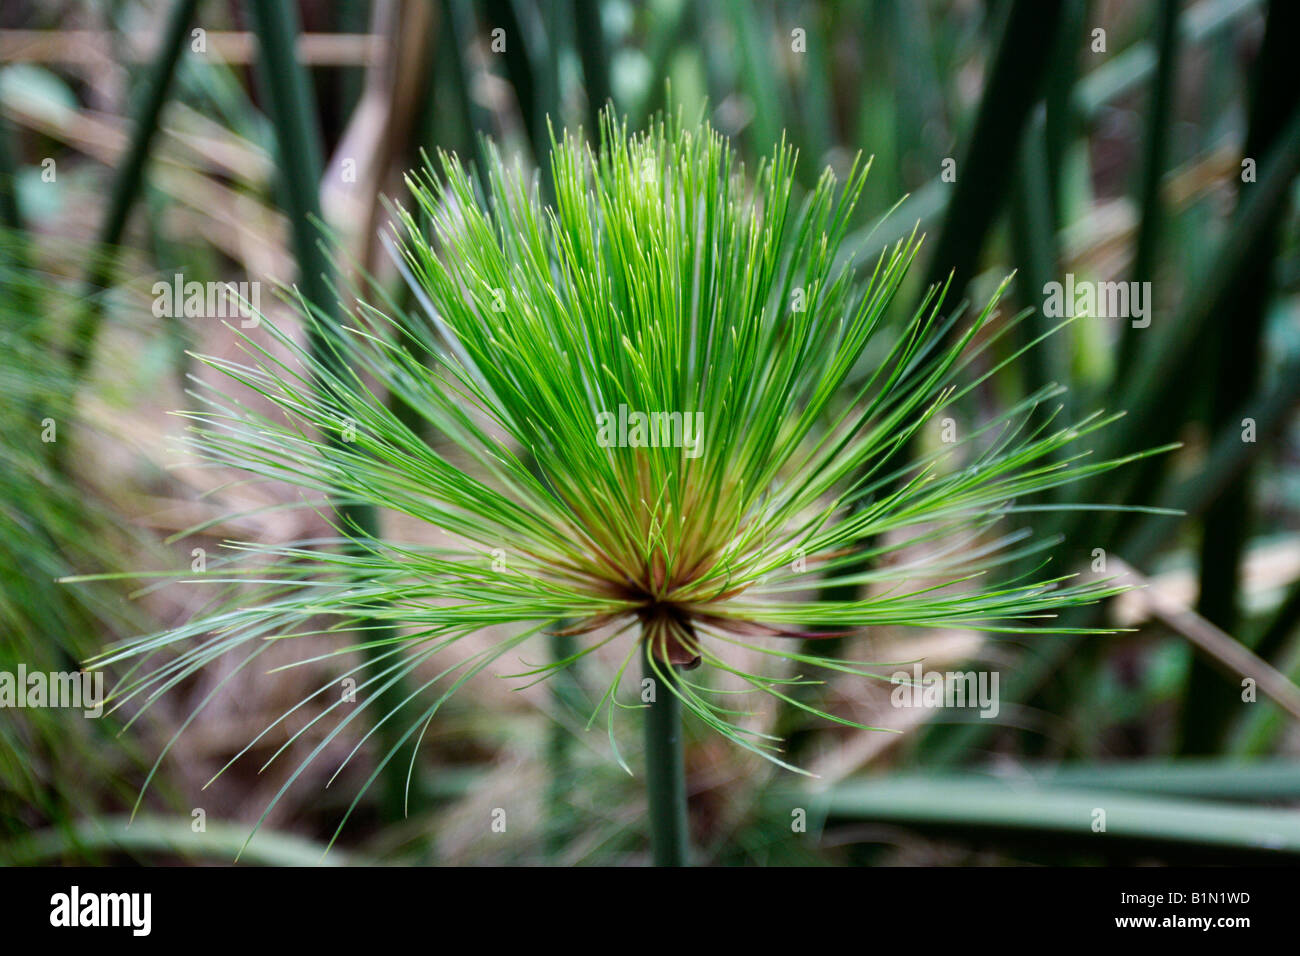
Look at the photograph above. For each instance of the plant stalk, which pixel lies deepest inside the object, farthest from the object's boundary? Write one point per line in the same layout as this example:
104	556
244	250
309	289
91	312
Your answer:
665	768
129	176
291	107
559	749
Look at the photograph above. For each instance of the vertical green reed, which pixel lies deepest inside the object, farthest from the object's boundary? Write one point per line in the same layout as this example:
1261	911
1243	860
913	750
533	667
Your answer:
665	764
293	114
130	174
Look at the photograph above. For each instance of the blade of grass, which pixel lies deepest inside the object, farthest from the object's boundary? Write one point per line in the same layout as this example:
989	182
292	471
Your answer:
1218	779
1238	780
148	835
974	804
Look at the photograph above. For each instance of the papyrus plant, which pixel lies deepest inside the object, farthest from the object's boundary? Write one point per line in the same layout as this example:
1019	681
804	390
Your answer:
662	279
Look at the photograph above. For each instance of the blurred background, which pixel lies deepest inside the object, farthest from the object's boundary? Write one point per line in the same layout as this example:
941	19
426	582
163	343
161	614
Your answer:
1134	142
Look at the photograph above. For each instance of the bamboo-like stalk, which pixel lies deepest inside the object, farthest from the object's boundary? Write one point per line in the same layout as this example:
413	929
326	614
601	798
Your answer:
13	245
293	115
1061	119
751	26
666	34
292	110
459	32
1154	160
665	768
9	215
1033	237
525	56
1102	86
130	173
985	169
984	175
592	47
1154	393
559	749
1207	703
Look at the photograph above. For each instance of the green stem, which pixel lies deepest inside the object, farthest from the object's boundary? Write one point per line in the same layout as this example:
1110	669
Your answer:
1033	238
665	768
1239	353
291	107
559	747
594	49
10	217
985	172
129	176
1154	160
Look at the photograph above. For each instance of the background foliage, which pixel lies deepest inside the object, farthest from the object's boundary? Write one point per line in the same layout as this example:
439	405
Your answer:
1109	156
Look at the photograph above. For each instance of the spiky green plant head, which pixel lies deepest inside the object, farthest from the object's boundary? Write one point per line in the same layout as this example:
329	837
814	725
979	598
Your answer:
656	349
654	413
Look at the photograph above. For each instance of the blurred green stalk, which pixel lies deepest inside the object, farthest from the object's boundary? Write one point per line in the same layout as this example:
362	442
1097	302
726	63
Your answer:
559	748
1209	700
595	60
984	171
1154	160
292	110
128	178
974	803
